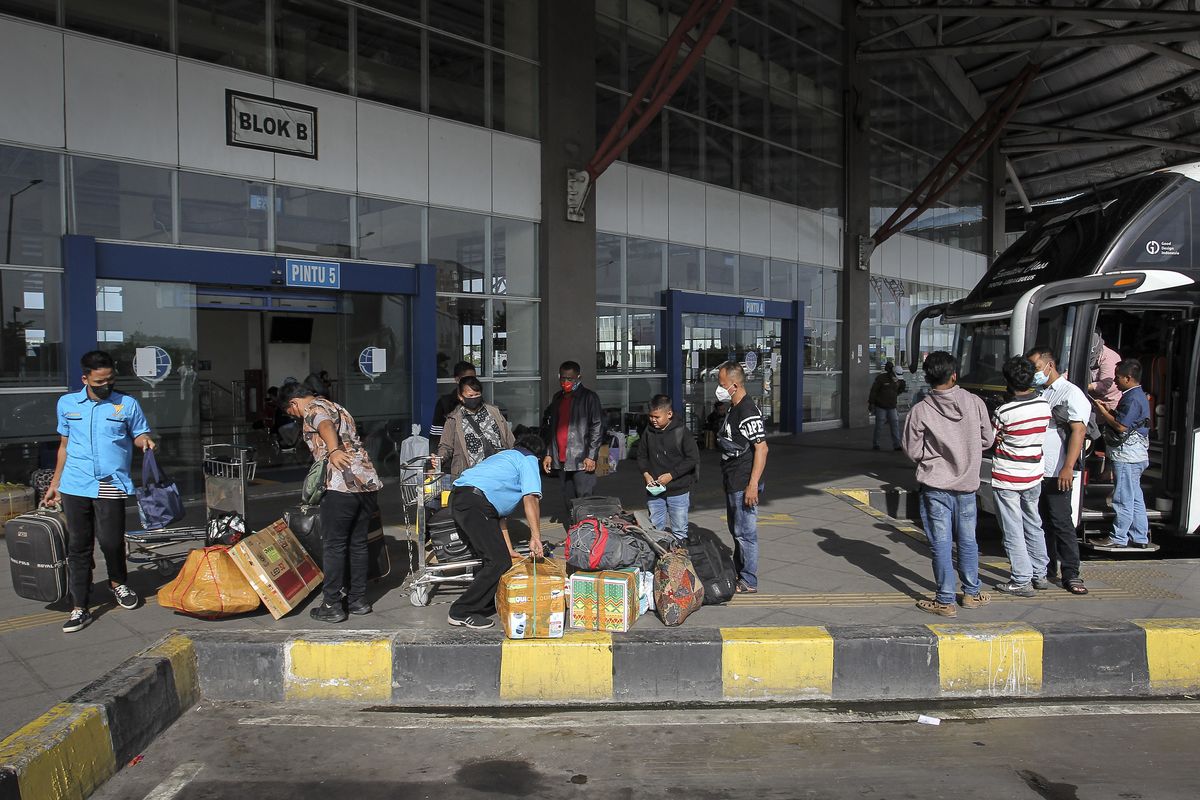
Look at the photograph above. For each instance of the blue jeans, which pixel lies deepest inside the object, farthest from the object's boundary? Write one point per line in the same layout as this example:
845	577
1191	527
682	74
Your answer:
1022	526
885	417
1129	503
743	526
677	507
947	517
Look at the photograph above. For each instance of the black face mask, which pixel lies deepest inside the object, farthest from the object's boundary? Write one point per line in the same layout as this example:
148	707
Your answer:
472	403
102	392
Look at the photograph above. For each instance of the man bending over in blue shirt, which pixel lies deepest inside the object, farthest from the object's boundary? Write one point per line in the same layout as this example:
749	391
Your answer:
481	500
98	427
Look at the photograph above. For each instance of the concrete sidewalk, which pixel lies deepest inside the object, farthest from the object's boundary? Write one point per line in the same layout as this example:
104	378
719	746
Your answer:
823	562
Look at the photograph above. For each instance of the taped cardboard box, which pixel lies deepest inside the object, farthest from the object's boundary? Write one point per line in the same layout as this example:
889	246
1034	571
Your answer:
604	601
278	568
532	599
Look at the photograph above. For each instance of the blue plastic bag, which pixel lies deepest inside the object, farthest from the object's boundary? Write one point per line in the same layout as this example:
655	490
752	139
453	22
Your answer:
158	500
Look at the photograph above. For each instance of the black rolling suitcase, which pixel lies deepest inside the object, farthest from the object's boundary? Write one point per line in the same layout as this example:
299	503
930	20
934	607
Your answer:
37	555
444	539
714	566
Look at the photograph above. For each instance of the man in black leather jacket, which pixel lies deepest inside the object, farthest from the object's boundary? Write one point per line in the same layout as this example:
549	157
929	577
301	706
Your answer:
572	427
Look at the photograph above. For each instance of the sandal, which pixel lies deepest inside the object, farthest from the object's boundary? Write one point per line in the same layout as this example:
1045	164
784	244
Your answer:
941	609
1075	586
745	588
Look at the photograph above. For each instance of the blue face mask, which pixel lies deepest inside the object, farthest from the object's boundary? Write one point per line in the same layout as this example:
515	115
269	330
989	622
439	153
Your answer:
1039	378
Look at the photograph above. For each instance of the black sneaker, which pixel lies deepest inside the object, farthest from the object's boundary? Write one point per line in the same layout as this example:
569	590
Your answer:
328	613
1042	584
126	597
473	621
360	608
1139	545
1017	589
1108	541
80	618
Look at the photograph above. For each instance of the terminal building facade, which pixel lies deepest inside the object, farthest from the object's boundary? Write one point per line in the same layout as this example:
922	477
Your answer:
229	193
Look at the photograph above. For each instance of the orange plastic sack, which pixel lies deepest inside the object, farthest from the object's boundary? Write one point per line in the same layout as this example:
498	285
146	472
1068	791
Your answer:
209	586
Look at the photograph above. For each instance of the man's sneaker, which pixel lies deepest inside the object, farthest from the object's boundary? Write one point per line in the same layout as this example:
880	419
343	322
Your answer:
328	613
1108	541
1018	589
976	600
1139	545
1041	584
80	618
473	621
360	607
126	597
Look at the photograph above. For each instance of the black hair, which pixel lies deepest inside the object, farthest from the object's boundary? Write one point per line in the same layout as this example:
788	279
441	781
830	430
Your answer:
1041	351
889	367
660	402
462	368
734	371
569	366
1130	368
272	390
533	443
96	359
470	382
939	368
293	390
1018	373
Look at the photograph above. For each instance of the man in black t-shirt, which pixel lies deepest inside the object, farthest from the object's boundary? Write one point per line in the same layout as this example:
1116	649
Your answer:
447	403
743	444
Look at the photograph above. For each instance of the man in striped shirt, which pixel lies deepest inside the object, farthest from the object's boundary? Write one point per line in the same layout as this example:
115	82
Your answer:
1017	468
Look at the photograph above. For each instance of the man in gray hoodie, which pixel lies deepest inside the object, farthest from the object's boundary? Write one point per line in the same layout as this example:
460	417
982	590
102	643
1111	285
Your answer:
946	434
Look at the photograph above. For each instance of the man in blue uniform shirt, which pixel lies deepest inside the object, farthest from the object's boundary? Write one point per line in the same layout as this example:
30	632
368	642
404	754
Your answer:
481	500
99	428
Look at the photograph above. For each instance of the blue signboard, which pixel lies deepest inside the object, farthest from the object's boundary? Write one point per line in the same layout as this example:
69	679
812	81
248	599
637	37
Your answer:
754	308
312	274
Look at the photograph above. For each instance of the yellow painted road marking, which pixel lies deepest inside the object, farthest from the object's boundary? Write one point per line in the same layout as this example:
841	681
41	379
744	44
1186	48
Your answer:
344	670
1172	653
776	662
578	666
49	617
64	753
994	659
901	599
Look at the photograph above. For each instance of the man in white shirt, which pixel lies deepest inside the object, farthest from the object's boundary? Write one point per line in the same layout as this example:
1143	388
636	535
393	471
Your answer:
1070	411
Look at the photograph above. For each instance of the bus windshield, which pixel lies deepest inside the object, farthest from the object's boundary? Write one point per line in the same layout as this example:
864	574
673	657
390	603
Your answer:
982	350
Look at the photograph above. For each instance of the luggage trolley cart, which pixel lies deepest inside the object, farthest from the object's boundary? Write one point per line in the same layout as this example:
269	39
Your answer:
420	487
228	469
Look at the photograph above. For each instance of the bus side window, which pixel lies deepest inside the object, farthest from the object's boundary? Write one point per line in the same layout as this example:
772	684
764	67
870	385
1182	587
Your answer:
1166	242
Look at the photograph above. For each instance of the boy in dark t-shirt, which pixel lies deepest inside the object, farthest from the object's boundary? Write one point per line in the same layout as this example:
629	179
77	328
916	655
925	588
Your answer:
743	445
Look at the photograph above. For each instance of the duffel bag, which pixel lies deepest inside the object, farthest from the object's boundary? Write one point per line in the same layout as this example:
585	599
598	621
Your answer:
593	545
677	589
209	586
598	507
713	562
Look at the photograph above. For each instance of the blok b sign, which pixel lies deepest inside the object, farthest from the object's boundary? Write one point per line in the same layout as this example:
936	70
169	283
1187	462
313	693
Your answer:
263	123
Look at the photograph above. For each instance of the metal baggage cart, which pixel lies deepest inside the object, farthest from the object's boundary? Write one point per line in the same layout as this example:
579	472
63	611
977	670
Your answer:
228	470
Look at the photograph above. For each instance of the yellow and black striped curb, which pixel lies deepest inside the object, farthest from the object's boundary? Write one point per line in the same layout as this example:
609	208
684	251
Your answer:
898	507
79	744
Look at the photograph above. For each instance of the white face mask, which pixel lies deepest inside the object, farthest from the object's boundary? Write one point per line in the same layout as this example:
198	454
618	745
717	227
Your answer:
1040	378
723	394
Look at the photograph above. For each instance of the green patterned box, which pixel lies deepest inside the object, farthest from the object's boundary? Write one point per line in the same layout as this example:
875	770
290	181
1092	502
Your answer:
604	601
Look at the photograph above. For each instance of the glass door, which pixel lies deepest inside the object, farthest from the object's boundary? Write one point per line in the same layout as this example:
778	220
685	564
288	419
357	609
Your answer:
756	343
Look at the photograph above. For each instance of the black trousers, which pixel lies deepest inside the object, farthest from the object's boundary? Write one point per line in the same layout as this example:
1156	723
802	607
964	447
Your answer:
580	483
479	524
89	519
1062	544
344	520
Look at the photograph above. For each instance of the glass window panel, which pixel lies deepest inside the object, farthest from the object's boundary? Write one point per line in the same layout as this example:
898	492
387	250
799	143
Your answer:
30	191
610	339
514	96
644	338
515	26
612	400
37	10
719	94
389	61
752	107
720	272
822	396
683	145
683	268
644	272
222	212
456	246
311	222
403	8
647	149
752	167
232	33
608	106
389	231
518	401
145	23
639	392
514	257
31	341
121	201
514	338
809	292
750	276
783	280
608	268
784	118
608	52
751	45
782	171
461	17
312	43
831	288
456	80
460	332
718	154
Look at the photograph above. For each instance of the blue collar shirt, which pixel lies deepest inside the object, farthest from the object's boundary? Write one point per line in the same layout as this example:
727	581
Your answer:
100	438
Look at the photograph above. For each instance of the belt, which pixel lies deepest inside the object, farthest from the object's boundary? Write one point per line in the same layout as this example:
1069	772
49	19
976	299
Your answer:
475	490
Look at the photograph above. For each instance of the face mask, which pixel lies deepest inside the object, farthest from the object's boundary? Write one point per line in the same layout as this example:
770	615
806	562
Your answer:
472	403
723	394
102	392
1039	378
569	386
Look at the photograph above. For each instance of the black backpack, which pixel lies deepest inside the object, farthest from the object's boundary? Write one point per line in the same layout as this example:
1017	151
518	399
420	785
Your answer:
681	432
713	562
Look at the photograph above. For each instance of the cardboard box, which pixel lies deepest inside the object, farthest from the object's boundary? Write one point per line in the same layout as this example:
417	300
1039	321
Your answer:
605	601
15	500
531	600
278	568
603	461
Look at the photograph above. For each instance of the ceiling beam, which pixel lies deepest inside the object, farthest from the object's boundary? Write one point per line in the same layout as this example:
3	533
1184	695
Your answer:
1029	11
1052	43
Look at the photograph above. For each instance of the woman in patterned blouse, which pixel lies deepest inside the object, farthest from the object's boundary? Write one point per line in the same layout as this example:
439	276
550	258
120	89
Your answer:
474	430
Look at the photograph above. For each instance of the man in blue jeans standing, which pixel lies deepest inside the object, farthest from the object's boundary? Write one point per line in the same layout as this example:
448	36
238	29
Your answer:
742	441
946	434
1128	440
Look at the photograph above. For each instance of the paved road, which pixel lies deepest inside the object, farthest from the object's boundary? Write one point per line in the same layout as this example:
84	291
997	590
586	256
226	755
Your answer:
1066	752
